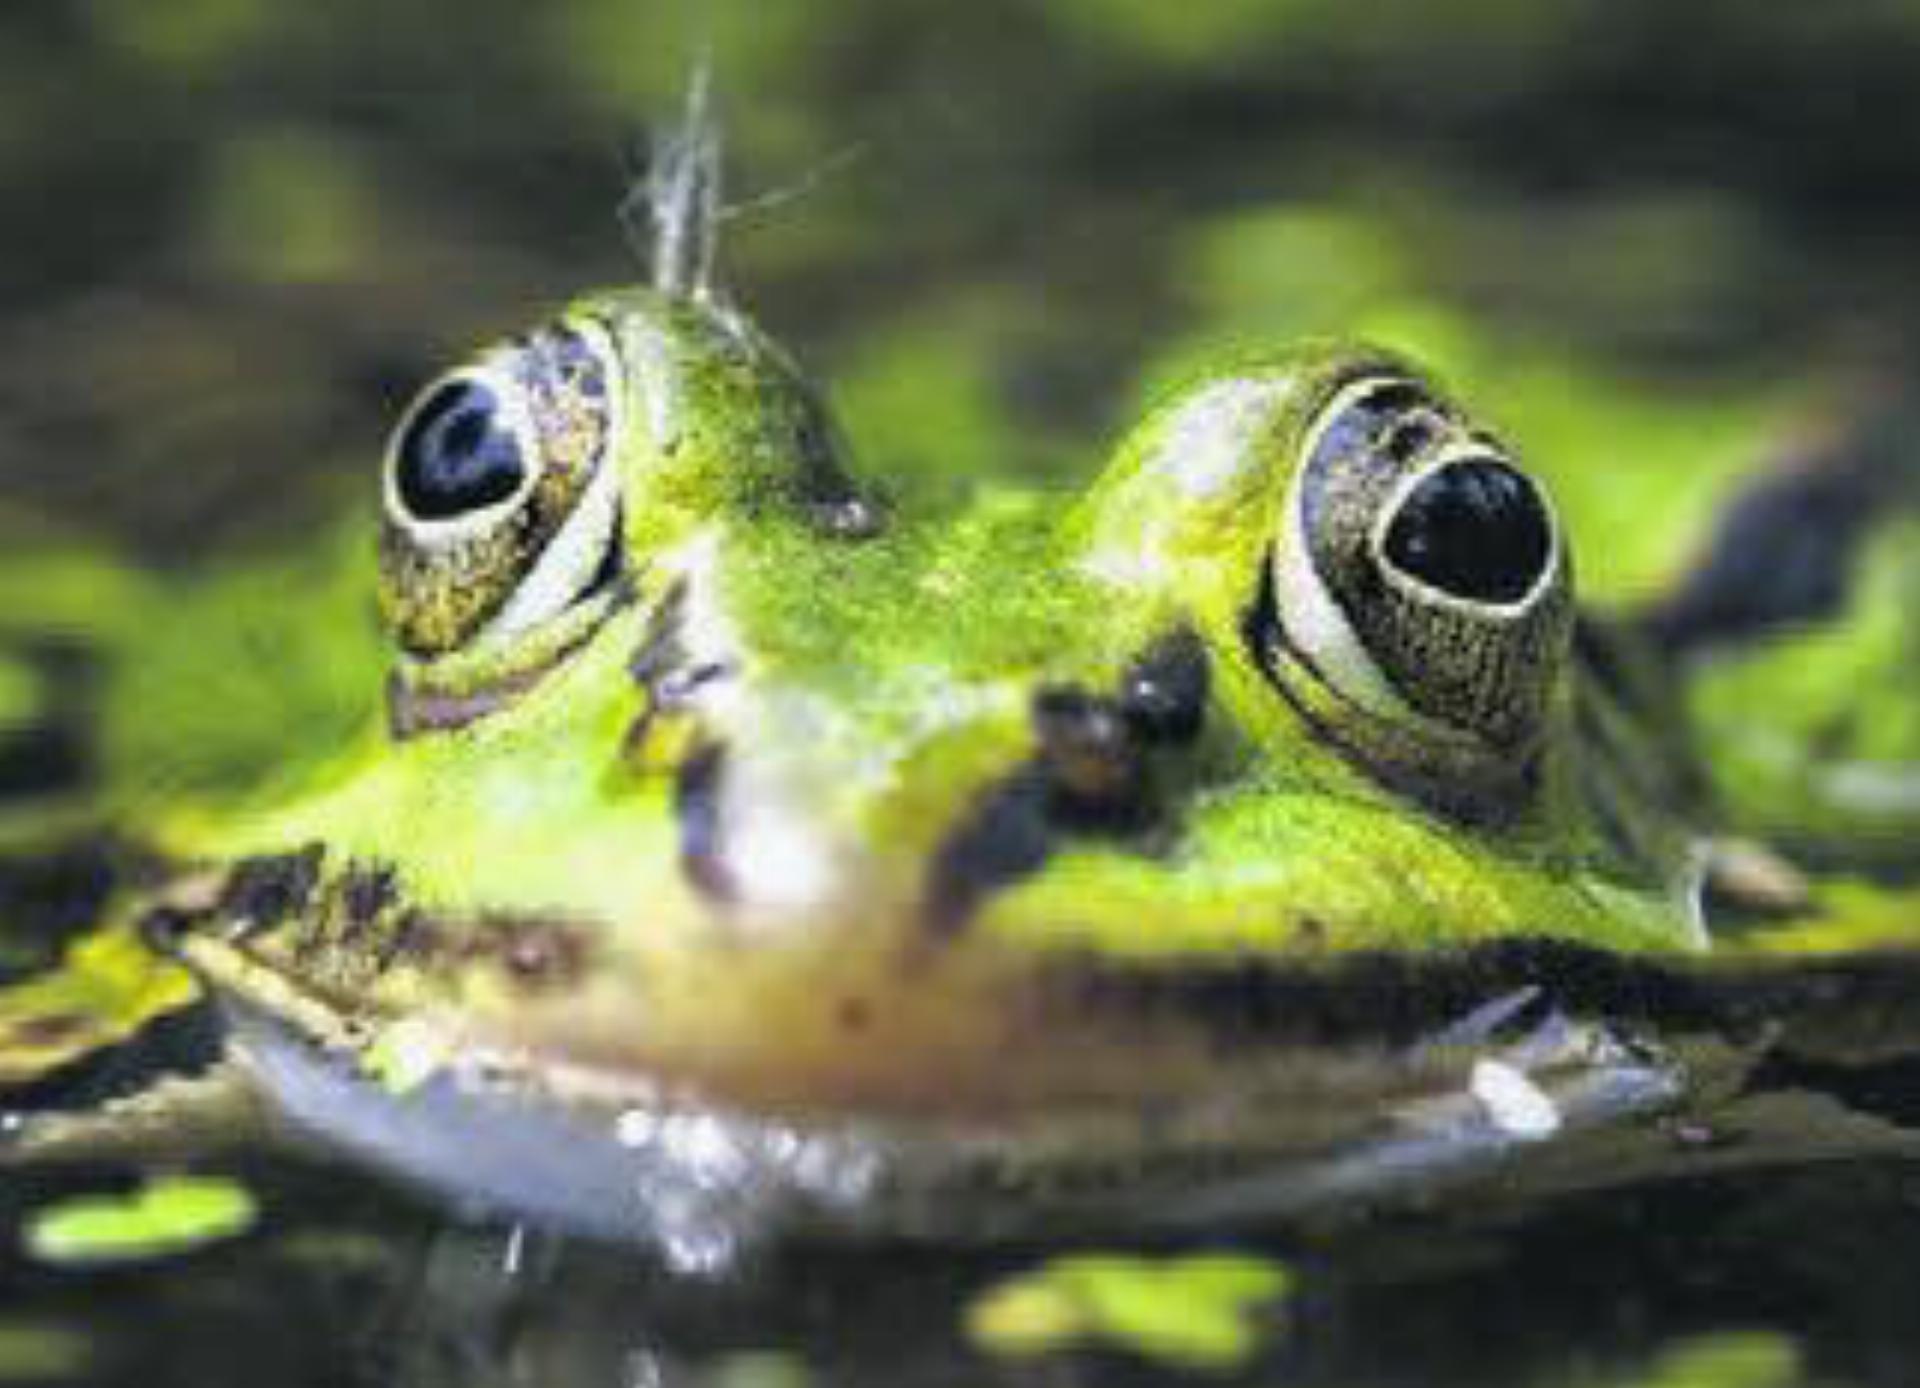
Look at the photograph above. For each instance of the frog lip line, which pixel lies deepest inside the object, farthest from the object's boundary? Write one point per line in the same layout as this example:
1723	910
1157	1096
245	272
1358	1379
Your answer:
1365	999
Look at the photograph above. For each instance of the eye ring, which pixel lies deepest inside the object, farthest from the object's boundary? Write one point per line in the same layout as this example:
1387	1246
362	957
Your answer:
1470	531
1435	660
501	495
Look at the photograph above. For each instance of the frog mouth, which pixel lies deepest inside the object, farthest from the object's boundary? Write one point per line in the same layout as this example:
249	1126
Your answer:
697	1180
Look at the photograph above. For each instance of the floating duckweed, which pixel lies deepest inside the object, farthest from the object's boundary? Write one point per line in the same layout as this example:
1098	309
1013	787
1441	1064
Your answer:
42	1352
1734	1359
1202	1311
168	1216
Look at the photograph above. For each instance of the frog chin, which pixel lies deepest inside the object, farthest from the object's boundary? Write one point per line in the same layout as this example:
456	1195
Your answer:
701	1183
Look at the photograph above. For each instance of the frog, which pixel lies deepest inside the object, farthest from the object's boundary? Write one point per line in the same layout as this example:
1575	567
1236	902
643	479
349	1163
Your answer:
746	848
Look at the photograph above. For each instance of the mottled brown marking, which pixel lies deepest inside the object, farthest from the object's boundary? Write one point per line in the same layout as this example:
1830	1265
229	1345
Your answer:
48	1029
1163	694
264	892
365	892
537	954
697	805
1088	753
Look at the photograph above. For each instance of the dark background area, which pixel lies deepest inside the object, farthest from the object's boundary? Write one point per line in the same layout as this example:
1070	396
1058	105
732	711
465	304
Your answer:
239	232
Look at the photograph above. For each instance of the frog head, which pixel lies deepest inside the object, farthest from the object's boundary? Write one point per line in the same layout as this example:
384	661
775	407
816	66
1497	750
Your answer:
709	768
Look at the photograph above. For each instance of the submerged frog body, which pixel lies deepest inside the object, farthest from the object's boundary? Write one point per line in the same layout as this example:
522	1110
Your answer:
746	848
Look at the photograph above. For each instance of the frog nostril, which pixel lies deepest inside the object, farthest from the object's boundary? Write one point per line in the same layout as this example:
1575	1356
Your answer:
457	455
1473	529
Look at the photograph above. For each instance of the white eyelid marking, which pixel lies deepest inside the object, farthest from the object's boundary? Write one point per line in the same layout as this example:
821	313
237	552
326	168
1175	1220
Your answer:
1209	443
1315	625
654	377
1204	449
568	563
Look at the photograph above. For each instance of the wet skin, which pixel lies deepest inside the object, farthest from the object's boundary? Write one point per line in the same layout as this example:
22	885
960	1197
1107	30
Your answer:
1024	861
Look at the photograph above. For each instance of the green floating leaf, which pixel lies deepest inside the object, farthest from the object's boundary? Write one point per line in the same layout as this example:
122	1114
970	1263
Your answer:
1729	1359
162	1219
1205	1311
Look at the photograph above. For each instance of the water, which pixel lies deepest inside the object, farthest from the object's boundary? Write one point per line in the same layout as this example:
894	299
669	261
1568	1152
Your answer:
238	235
348	1284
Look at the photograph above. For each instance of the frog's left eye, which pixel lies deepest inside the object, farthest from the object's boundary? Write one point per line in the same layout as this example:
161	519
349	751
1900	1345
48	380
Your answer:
502	506
1420	585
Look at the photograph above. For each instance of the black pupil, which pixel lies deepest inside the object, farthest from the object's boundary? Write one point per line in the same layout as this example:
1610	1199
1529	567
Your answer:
456	456
1472	529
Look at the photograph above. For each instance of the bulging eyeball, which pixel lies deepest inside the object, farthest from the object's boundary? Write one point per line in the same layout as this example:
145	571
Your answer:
502	501
1420	582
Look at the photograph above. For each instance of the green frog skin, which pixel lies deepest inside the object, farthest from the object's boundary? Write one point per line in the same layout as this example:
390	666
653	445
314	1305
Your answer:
745	849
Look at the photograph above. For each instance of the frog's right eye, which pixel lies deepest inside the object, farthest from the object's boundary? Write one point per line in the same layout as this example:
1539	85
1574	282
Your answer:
1420	593
502	504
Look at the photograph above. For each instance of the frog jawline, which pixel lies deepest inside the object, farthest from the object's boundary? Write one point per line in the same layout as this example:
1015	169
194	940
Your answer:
700	1187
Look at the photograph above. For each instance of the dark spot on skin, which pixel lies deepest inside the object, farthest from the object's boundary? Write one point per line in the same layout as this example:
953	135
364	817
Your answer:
415	936
1088	757
661	666
1088	775
853	1014
365	892
1163	695
660	650
163	926
263	892
1008	836
537	954
697	792
44	894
